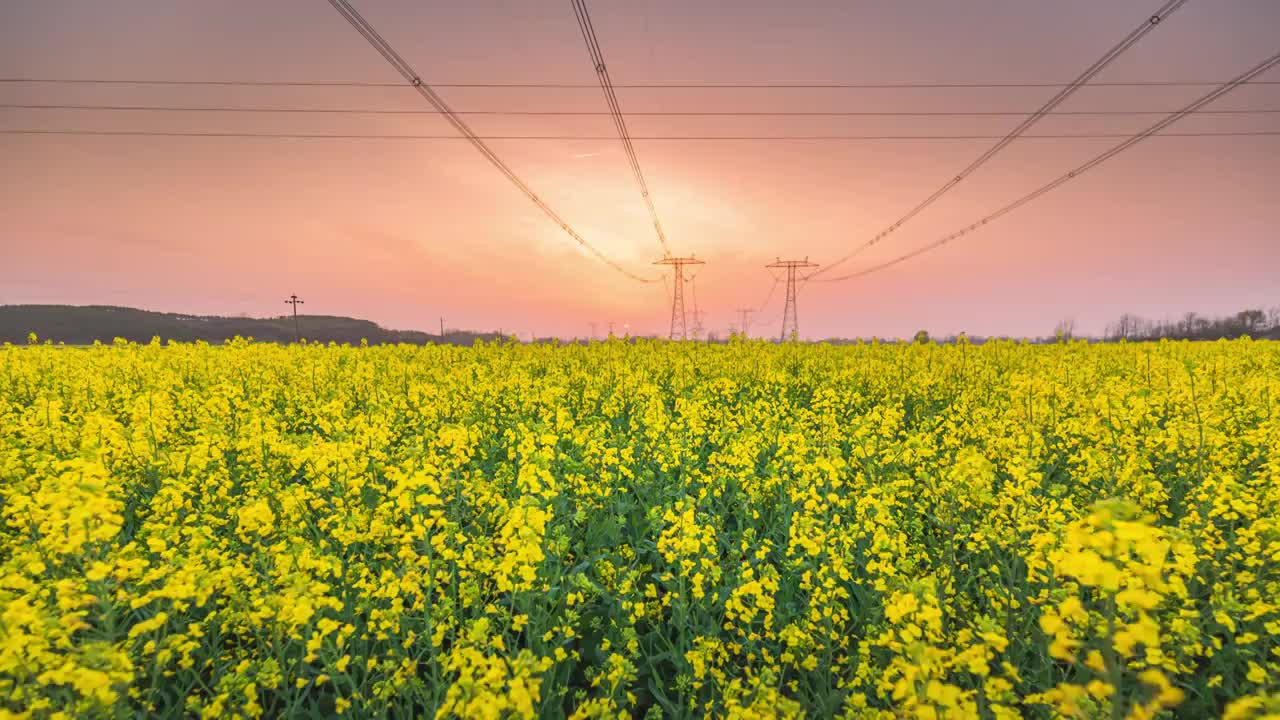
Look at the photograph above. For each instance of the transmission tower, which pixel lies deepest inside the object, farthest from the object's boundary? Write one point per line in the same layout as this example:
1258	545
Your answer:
697	328
679	328
790	324
744	319
697	313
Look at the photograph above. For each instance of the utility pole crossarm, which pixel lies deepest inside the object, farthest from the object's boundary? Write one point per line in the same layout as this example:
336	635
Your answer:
295	302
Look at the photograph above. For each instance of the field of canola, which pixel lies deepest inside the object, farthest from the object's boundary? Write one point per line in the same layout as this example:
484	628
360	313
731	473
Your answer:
649	530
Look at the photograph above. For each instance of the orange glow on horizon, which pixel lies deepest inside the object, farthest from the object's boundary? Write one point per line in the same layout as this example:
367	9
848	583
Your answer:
402	232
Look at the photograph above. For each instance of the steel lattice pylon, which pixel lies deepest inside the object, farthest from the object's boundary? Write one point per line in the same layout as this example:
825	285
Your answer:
679	327
790	321
744	323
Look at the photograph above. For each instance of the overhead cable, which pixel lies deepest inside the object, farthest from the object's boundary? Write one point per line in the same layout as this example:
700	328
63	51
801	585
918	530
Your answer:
615	110
1149	24
798	85
362	26
589	113
645	138
1136	138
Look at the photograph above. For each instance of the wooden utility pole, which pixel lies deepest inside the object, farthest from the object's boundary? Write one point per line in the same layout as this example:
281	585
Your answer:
295	302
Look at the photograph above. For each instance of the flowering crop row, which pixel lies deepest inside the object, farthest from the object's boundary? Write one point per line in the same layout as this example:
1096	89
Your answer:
657	529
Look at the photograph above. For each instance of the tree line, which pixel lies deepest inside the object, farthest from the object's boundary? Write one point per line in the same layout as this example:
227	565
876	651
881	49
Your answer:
1253	322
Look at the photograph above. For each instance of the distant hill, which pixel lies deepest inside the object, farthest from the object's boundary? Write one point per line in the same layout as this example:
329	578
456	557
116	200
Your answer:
83	324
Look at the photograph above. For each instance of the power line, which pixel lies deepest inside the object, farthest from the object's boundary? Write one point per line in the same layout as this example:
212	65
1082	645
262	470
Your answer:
769	296
575	113
615	109
1165	10
1227	87
388	53
654	138
799	85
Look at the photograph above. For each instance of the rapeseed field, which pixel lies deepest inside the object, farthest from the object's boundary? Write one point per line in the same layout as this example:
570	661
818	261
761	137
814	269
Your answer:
641	530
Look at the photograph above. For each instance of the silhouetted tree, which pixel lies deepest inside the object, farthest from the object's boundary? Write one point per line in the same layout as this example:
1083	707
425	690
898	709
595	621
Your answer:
1252	320
1127	327
1187	326
1065	329
1193	326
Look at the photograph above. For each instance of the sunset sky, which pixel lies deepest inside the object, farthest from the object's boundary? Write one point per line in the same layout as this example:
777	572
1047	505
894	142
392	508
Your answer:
404	231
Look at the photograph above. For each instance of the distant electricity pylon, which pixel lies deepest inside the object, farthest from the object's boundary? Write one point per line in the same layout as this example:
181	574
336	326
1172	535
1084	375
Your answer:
697	313
790	324
697	329
744	319
679	328
295	302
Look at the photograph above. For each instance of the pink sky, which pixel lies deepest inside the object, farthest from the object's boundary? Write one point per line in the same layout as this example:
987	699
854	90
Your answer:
402	232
